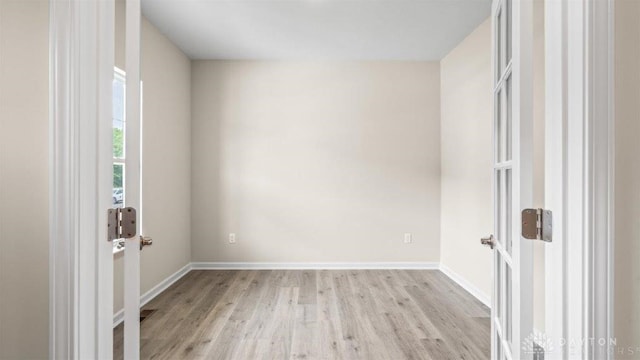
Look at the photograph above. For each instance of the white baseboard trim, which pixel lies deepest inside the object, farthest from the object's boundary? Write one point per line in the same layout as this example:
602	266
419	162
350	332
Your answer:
164	284
470	288
313	266
155	291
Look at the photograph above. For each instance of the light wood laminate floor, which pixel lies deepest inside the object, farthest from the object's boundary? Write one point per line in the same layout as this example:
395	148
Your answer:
314	314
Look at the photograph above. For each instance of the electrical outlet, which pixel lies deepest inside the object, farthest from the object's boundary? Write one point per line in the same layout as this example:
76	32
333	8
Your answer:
407	238
232	238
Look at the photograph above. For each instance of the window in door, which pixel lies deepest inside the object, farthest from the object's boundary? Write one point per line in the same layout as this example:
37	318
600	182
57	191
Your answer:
119	150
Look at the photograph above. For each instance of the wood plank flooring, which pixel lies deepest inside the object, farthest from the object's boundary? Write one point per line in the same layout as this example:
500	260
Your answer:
309	314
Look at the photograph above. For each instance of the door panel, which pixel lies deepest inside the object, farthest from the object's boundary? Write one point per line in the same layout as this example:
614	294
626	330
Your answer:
125	133
133	180
512	90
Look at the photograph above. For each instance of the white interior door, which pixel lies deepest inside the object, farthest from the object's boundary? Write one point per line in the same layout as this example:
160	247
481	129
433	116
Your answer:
126	167
132	180
511	313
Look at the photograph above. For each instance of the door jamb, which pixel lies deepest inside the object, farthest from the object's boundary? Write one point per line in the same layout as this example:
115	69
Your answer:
579	184
81	53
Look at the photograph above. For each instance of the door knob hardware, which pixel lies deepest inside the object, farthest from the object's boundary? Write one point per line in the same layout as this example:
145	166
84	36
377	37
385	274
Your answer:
488	241
145	241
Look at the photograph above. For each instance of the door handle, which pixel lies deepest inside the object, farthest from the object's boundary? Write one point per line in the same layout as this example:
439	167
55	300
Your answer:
488	241
145	241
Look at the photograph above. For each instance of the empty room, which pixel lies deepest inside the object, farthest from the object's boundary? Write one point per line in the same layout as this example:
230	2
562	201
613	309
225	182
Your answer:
319	179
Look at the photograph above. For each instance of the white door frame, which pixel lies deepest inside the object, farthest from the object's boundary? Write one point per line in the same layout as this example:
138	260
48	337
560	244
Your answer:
80	257
579	125
579	177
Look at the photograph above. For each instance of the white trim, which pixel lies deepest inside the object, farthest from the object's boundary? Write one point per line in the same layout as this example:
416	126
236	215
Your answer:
576	193
314	266
81	51
465	284
579	175
555	163
163	285
522	122
104	264
600	218
118	317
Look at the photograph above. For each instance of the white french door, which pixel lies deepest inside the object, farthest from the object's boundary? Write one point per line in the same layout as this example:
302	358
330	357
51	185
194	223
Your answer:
511	313
126	165
133	176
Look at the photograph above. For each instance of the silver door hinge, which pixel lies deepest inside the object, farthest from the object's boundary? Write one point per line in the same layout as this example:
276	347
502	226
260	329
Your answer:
537	224
121	223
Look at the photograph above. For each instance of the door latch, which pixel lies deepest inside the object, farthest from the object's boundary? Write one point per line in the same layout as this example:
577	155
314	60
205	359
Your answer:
537	224
121	223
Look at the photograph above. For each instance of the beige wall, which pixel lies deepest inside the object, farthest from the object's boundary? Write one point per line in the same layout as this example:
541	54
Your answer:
467	159
166	172
627	207
315	162
166	74
24	164
24	184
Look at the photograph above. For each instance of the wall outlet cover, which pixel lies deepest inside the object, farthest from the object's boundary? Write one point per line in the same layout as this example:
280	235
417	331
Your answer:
407	238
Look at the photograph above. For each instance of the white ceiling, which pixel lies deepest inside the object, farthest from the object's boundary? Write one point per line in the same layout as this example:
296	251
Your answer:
316	29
